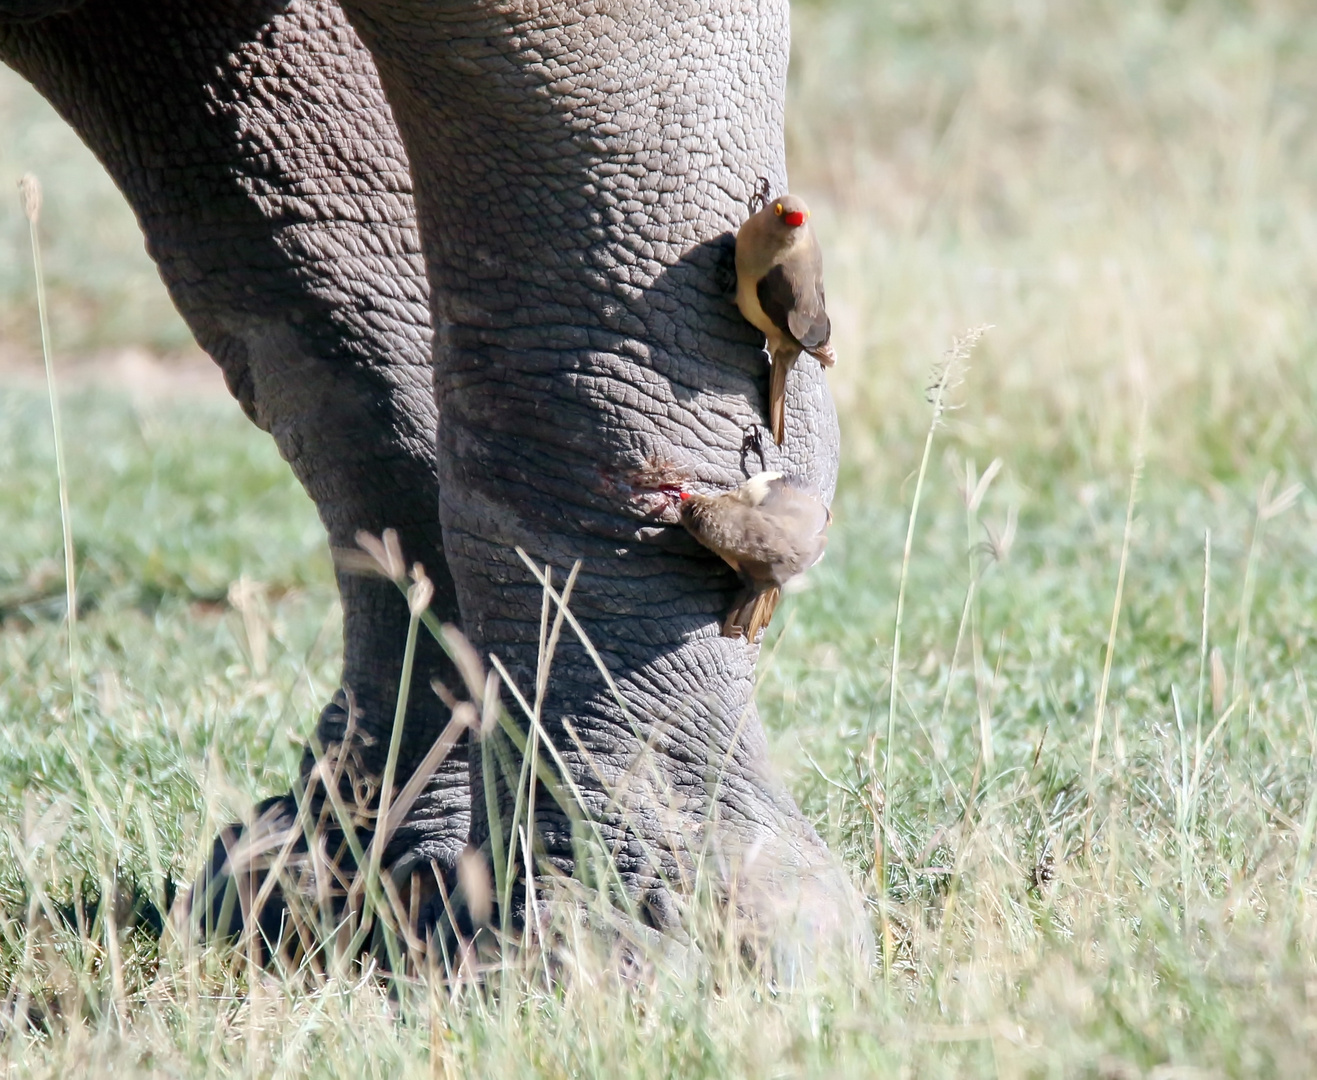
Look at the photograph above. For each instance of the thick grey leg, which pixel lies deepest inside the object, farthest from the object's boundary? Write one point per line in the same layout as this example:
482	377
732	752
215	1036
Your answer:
578	170
255	146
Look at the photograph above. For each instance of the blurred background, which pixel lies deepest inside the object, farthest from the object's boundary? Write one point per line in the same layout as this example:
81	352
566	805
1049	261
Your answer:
1125	191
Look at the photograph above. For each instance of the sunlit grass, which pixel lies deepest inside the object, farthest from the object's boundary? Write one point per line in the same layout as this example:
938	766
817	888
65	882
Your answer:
104	290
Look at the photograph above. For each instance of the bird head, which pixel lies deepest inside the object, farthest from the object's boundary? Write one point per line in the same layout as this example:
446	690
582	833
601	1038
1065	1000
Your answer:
689	507
791	211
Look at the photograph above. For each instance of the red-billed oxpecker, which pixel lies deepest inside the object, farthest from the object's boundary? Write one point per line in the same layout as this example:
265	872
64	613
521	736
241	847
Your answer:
779	289
768	531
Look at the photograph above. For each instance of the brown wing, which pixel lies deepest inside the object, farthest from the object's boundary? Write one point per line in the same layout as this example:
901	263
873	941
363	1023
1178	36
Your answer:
796	522
791	294
784	500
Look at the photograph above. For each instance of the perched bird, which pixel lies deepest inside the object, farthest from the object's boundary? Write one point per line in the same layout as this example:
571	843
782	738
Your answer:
779	289
768	531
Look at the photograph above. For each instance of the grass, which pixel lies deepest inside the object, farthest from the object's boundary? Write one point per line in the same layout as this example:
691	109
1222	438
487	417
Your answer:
1125	192
104	291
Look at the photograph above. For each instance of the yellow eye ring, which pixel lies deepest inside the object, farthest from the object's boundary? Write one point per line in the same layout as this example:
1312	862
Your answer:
778	209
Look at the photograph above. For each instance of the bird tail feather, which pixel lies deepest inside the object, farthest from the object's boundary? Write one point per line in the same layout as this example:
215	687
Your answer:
764	606
751	613
777	394
825	354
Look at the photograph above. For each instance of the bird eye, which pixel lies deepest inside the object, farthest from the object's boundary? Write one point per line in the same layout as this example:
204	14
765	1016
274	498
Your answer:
778	209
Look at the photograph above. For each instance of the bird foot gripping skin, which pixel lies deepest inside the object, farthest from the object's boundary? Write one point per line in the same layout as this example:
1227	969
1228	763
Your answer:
779	289
762	193
753	442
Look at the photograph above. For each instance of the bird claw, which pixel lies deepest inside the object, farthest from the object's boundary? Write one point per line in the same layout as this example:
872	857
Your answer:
753	442
762	193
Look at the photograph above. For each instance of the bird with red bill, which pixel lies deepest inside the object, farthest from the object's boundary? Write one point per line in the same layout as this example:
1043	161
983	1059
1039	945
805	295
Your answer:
769	530
779	289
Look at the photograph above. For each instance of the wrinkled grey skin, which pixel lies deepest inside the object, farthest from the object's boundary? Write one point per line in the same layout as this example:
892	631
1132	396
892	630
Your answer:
578	168
255	146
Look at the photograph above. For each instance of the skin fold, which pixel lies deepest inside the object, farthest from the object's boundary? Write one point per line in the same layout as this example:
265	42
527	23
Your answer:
579	171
